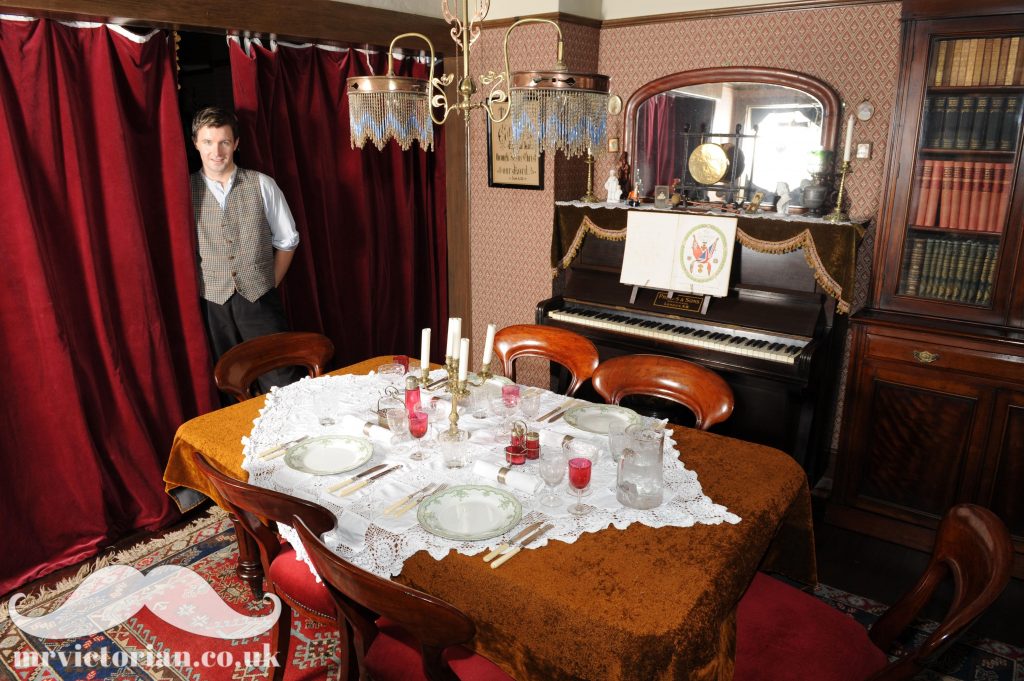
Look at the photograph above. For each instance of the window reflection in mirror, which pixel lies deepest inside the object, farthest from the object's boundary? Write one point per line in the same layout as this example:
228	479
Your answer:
770	135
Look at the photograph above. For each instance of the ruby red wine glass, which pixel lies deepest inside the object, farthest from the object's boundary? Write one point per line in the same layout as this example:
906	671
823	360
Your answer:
419	423
579	477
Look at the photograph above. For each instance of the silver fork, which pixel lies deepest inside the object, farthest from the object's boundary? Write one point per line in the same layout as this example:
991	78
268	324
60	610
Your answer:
412	503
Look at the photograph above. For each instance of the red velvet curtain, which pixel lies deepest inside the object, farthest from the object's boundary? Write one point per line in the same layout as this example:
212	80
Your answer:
371	270
102	344
659	127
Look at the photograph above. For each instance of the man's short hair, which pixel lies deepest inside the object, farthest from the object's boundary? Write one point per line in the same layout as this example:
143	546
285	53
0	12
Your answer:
214	117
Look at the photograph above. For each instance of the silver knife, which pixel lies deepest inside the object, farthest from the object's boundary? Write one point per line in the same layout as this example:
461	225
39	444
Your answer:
504	547
363	483
561	412
516	549
554	411
352	478
434	384
279	449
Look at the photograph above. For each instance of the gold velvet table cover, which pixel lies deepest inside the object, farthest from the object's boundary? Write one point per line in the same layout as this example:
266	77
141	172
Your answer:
639	603
830	249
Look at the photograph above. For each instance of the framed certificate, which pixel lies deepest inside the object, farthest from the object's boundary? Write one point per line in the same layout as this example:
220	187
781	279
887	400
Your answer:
523	170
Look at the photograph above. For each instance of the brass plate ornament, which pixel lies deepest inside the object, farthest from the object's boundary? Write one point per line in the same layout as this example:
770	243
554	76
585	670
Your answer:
709	163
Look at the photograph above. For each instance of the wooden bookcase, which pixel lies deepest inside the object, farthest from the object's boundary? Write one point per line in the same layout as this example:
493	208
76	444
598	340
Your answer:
934	412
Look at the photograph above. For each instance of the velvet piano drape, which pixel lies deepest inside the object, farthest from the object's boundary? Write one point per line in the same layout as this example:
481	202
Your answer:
371	270
102	344
657	130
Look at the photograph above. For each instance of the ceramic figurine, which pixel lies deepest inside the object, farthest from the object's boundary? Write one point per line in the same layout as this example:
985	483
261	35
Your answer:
612	187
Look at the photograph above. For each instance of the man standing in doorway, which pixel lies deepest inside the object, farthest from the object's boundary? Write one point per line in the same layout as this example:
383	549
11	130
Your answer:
246	238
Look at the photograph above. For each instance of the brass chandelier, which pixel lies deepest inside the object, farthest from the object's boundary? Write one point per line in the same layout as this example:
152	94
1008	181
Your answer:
555	109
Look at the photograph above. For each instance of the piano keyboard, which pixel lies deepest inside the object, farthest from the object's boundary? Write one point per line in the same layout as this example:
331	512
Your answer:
692	334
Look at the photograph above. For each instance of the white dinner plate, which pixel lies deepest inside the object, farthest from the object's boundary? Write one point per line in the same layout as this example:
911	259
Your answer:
493	380
469	513
596	417
329	454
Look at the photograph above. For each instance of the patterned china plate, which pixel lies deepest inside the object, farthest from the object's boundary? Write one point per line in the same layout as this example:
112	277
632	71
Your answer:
596	417
329	454
469	513
493	380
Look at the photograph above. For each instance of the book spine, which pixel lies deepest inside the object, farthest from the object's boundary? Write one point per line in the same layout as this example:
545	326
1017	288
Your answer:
928	268
965	122
949	122
977	59
957	65
1006	175
946	193
1011	60
1018	63
956	194
994	192
996	111
986	61
937	114
976	259
979	118
988	270
943	273
985	200
966	192
974	211
912	281
922	180
1008	132
934	188
958	269
999	61
938	68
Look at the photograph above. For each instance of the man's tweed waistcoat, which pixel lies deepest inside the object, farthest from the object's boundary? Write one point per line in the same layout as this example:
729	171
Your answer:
235	243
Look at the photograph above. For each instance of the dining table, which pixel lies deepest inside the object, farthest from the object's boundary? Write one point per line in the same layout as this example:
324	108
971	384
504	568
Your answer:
647	601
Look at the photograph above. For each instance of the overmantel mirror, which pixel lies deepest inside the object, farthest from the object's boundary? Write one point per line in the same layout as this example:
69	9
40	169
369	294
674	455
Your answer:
725	134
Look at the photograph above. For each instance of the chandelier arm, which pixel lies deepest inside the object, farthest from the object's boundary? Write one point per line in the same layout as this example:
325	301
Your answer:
441	97
559	64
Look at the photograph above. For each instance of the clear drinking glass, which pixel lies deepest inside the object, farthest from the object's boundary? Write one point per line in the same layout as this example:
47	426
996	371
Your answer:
617	438
454	451
397	419
529	404
552	471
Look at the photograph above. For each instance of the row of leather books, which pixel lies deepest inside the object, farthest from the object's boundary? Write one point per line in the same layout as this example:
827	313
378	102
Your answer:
957	270
971	122
962	195
978	61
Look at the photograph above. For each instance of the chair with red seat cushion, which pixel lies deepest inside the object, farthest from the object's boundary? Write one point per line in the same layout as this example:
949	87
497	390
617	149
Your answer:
785	634
258	511
399	633
571	350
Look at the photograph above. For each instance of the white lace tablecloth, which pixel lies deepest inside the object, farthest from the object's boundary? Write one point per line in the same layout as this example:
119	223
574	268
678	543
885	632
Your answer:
382	545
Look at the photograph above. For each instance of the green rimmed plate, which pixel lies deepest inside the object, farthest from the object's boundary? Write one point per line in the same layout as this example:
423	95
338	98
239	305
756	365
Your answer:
595	418
329	454
469	513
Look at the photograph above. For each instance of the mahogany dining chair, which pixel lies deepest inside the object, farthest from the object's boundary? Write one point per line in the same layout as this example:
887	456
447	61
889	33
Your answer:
700	390
258	511
571	350
784	634
238	368
399	633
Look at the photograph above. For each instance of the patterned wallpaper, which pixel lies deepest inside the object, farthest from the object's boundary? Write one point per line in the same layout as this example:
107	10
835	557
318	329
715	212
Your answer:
855	49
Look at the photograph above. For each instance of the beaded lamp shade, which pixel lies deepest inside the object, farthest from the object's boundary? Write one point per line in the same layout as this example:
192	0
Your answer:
559	110
382	108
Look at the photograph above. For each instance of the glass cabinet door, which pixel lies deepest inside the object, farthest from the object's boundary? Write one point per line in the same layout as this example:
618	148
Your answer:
964	169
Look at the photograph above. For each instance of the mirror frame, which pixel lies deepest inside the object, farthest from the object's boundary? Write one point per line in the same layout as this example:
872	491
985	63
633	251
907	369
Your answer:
820	90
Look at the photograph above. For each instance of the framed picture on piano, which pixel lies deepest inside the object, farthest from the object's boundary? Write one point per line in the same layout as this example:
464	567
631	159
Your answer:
521	170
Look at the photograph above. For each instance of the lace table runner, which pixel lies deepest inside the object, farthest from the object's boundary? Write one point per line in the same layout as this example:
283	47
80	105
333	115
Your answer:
382	545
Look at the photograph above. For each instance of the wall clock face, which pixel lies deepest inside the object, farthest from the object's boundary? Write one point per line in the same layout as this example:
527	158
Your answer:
865	110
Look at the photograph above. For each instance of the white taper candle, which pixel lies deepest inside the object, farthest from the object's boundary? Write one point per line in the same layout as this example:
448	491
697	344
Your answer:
849	139
464	364
489	343
425	349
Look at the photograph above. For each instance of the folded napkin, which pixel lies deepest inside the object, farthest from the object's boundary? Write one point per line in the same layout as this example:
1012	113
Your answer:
552	438
486	436
517	480
355	426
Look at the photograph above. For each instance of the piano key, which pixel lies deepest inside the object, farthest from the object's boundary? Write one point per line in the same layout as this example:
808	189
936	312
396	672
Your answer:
733	341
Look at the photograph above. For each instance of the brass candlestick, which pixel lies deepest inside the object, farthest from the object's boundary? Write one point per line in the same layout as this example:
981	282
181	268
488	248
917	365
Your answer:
590	197
458	390
837	214
424	378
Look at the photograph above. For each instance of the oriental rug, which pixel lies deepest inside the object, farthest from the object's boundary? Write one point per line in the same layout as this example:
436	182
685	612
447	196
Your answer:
146	648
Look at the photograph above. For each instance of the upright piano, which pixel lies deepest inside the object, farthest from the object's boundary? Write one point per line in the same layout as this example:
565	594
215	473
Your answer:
776	338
